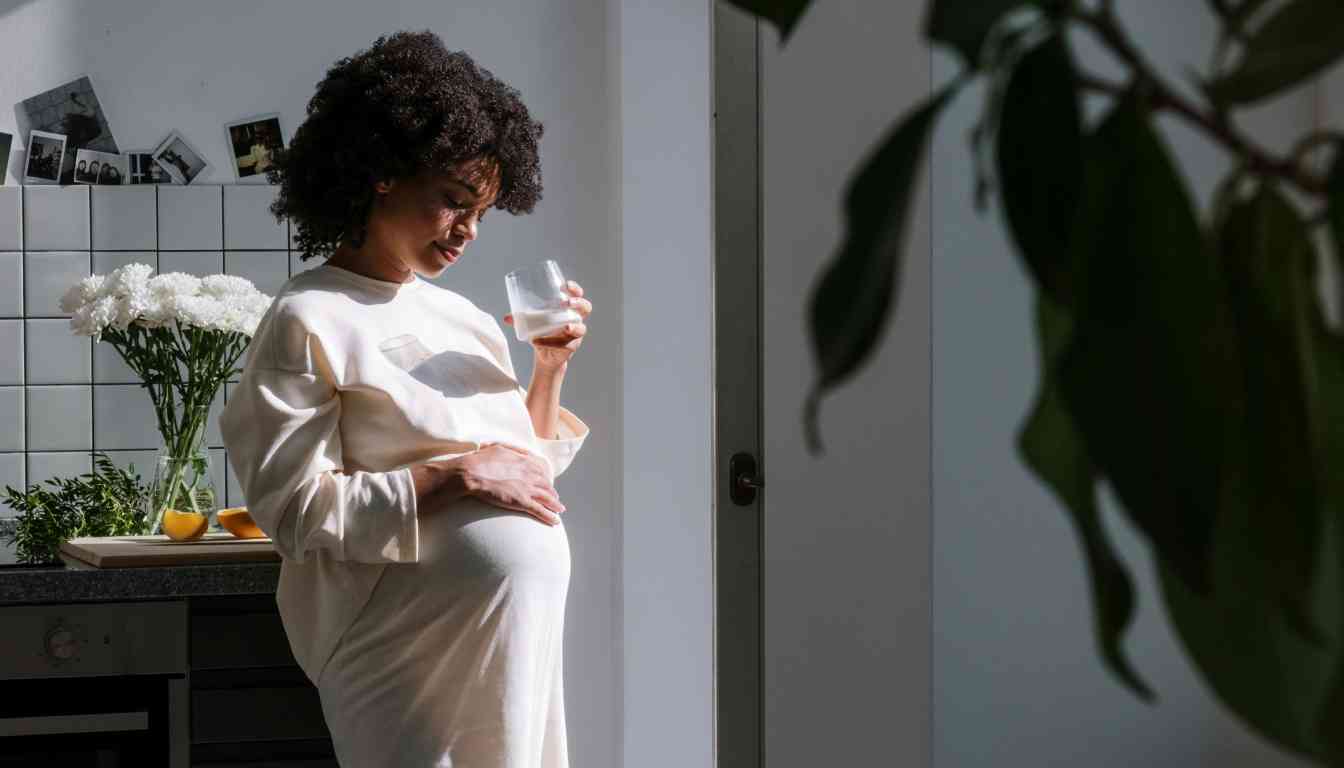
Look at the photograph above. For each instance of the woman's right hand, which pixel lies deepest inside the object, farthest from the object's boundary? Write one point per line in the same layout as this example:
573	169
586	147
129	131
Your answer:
511	478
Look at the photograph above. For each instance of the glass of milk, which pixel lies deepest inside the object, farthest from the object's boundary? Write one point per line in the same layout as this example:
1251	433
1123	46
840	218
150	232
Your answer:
537	298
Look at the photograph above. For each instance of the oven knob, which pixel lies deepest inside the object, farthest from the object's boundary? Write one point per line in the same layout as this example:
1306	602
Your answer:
61	643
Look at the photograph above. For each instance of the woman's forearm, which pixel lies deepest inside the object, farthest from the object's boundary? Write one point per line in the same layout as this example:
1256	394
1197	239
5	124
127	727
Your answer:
543	399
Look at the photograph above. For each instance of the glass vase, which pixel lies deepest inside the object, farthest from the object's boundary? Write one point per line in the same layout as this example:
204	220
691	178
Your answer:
183	484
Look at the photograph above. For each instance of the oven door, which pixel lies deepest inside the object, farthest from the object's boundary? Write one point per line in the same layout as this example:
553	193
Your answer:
103	722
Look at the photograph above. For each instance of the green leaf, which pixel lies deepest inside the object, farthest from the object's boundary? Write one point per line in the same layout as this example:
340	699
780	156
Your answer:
1277	464
964	24
1053	449
1260	669
849	306
1297	41
1040	164
784	14
1147	350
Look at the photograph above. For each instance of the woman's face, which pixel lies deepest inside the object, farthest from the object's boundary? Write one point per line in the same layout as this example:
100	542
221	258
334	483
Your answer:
416	218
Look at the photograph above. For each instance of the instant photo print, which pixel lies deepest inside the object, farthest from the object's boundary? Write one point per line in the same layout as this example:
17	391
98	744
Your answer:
252	144
141	168
46	152
100	167
6	144
183	162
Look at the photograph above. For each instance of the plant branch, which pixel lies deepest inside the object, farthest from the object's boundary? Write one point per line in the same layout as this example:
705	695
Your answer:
1163	98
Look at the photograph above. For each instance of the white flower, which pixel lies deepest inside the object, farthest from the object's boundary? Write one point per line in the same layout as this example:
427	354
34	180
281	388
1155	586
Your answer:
127	279
130	294
81	293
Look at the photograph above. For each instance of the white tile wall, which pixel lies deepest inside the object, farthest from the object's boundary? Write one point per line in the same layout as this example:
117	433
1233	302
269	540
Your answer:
11	352
63	396
12	471
248	223
11	218
191	218
11	419
124	218
46	277
55	354
11	290
56	218
60	417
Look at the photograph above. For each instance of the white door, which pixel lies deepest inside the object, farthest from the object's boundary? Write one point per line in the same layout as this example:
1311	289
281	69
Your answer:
822	582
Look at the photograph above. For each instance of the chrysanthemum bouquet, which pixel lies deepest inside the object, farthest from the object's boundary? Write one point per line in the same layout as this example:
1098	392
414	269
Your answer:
182	335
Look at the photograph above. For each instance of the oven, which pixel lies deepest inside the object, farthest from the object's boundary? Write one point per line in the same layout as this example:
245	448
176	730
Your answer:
102	685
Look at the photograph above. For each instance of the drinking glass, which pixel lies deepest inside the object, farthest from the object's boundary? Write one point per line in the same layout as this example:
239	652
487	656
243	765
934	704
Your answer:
537	298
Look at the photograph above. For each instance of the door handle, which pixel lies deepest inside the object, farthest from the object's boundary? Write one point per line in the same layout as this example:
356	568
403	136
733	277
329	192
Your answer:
743	480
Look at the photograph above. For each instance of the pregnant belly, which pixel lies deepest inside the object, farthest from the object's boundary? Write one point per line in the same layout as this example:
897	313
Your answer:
471	539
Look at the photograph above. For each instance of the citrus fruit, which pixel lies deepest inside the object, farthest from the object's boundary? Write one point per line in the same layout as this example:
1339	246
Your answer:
237	521
184	526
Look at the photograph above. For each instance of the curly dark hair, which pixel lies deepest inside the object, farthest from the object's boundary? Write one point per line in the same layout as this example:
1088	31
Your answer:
403	107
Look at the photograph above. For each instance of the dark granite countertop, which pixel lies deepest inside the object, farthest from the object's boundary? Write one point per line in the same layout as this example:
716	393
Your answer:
28	584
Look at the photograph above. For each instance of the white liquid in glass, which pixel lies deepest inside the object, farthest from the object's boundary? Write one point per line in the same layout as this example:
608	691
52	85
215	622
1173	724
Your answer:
542	322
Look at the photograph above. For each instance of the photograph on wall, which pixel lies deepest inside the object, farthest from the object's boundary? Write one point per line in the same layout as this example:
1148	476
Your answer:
72	110
46	151
183	162
141	168
6	143
100	167
253	142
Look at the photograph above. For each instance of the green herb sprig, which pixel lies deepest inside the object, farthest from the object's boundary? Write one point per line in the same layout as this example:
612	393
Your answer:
107	502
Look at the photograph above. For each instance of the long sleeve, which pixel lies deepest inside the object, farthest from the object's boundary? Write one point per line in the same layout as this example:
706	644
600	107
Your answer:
282	432
561	450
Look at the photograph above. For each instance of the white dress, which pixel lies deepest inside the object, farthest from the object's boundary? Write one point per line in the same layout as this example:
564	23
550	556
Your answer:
434	639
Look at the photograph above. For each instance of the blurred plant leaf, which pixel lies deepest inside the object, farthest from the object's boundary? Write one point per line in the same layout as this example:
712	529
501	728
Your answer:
849	306
1235	14
1051	446
1137	374
1334	189
1039	153
1258	667
1276	462
964	24
784	14
1295	42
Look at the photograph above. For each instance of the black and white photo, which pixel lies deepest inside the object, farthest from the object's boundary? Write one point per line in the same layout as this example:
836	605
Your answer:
6	143
100	167
141	168
46	152
183	162
253	142
72	110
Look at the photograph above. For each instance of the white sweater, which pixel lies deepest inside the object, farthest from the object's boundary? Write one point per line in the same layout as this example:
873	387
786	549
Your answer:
348	382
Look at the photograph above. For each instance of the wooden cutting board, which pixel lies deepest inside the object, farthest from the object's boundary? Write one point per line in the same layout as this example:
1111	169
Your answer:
140	551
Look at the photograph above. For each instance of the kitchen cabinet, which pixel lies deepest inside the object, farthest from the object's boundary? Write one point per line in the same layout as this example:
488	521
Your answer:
250	702
174	666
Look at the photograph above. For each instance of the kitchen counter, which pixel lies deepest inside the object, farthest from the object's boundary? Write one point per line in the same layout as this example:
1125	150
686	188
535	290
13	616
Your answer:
27	584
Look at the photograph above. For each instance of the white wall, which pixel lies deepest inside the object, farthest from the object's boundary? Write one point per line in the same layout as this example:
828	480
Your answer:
666	245
1017	680
194	65
846	553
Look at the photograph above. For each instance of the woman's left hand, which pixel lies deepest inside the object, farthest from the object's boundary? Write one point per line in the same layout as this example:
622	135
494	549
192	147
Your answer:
555	351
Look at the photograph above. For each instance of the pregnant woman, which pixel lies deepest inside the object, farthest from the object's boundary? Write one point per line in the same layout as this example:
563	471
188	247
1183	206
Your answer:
382	440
